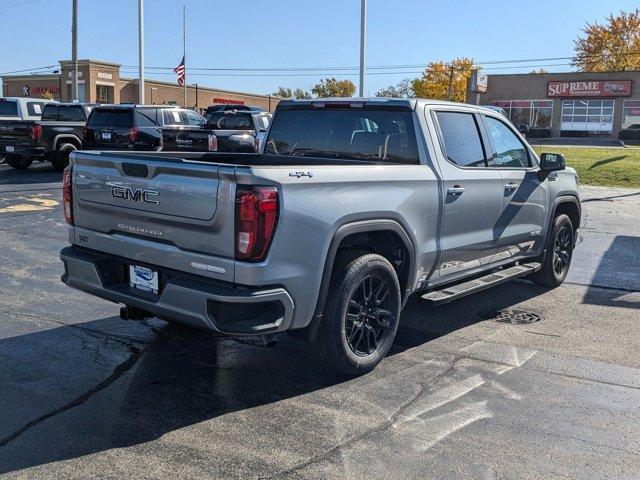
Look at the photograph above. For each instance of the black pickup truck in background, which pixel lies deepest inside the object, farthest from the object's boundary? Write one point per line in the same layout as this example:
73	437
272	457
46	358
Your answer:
234	131
52	138
135	127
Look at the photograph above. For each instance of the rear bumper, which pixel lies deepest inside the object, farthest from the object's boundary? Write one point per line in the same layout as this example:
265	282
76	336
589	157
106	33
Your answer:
183	298
23	150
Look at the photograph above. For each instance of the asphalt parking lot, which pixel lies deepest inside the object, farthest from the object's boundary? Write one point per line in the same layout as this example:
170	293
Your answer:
84	394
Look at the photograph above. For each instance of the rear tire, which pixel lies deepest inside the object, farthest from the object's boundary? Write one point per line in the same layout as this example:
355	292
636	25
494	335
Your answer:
61	157
19	163
556	262
360	319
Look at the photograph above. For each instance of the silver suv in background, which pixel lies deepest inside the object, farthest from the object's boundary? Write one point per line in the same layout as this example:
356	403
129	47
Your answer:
353	206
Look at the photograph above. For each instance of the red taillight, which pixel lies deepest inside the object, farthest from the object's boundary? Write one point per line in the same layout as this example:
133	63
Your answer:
256	219
67	197
35	132
133	134
213	143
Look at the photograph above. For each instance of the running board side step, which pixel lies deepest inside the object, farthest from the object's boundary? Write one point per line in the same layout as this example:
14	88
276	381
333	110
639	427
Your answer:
453	292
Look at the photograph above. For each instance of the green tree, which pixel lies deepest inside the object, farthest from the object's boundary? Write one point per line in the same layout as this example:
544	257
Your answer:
332	87
436	78
298	93
401	90
614	46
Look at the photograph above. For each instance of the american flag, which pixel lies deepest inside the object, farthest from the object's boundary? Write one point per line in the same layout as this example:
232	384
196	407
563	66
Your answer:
180	70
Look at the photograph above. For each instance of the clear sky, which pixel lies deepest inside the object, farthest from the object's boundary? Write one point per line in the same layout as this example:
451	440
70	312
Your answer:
296	34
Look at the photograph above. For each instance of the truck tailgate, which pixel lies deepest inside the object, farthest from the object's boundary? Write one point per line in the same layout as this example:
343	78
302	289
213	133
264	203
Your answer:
154	208
185	139
15	132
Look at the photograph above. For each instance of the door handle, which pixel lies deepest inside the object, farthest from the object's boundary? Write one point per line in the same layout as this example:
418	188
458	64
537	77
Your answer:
511	186
456	190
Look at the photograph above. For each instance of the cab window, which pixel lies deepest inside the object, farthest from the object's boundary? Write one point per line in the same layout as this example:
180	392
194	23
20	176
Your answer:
461	138
193	118
173	117
510	152
35	108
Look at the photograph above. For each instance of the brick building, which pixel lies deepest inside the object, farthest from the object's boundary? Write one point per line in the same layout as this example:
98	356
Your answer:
100	82
604	104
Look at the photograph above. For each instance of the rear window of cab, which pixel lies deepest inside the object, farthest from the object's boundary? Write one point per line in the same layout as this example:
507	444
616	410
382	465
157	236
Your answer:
111	118
8	108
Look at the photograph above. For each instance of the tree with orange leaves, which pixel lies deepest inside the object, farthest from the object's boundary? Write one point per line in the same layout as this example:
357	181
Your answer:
613	46
437	77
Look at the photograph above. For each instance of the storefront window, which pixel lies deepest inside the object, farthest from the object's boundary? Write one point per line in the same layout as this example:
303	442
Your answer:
533	113
631	114
542	113
587	115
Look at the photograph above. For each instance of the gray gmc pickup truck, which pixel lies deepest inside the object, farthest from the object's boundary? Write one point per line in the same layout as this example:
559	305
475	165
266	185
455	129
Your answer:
352	206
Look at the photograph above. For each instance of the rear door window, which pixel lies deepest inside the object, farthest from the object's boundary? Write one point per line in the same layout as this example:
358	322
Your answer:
50	112
376	134
111	118
461	138
35	108
174	117
8	108
70	114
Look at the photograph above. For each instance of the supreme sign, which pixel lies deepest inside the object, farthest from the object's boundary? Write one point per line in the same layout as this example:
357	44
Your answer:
589	88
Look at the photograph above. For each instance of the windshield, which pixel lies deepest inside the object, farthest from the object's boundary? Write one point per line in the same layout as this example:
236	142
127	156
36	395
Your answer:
383	135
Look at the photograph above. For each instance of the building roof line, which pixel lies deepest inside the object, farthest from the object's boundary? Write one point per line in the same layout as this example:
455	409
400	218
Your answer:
90	61
148	81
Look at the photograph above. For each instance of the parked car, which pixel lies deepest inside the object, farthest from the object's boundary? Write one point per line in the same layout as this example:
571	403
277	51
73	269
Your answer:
13	112
53	138
353	206
235	131
227	107
134	127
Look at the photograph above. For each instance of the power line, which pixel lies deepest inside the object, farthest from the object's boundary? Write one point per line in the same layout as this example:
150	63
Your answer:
48	67
382	67
19	4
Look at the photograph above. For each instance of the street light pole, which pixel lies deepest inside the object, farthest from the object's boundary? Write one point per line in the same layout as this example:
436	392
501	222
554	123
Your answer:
74	50
363	42
141	52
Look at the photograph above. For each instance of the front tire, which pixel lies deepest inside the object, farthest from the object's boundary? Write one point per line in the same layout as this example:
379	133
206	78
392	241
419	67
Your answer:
60	159
361	316
19	163
556	262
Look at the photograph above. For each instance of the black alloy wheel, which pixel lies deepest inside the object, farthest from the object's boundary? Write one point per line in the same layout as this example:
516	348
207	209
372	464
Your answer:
562	249
369	315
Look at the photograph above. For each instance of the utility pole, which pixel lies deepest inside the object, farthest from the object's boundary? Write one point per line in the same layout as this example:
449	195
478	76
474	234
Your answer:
184	49
451	72
74	50
363	42
141	52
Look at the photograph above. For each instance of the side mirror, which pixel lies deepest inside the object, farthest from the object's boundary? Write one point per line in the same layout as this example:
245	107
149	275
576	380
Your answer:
552	162
523	128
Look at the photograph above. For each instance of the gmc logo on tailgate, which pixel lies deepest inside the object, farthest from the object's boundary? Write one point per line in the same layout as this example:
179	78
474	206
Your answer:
135	195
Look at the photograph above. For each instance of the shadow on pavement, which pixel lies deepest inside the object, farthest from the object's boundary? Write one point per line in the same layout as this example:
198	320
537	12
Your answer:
35	174
619	266
185	377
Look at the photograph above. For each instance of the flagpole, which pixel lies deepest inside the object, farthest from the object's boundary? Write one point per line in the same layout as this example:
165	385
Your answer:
184	50
141	52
